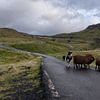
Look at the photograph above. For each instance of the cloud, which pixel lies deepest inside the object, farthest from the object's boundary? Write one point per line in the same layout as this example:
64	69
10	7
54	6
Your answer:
48	17
85	4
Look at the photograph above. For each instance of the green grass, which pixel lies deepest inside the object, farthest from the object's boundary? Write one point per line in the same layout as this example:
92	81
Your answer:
56	48
80	42
19	75
44	48
11	35
7	56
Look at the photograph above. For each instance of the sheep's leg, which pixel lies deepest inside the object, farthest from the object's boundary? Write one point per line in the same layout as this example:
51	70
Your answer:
75	66
88	66
81	66
78	66
68	65
85	66
96	67
65	58
99	67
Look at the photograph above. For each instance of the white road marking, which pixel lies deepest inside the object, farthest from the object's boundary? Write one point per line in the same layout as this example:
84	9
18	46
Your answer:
51	86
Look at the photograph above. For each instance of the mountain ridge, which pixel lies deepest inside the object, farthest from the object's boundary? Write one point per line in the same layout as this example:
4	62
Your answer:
91	32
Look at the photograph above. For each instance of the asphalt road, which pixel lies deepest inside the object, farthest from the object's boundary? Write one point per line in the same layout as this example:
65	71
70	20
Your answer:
73	84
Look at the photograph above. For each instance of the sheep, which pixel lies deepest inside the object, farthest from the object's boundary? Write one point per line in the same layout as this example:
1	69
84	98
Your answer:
88	60
68	57
80	60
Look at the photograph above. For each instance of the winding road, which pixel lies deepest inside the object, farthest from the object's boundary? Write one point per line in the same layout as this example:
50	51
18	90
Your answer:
70	84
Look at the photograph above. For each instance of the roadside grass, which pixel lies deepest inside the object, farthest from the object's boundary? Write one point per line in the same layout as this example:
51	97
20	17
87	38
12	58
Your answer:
95	52
7	56
80	46
19	76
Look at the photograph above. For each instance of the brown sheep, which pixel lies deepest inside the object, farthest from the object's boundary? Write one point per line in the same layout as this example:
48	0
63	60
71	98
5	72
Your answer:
88	60
97	64
80	60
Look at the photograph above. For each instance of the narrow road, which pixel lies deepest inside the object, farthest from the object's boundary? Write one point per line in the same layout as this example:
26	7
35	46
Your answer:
73	84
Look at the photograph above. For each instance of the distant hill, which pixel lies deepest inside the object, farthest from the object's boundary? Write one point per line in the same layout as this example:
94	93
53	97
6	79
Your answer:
91	32
12	35
8	32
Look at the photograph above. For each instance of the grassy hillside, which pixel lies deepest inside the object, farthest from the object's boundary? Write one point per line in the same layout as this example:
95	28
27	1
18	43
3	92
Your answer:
19	75
54	45
11	35
40	44
91	32
44	47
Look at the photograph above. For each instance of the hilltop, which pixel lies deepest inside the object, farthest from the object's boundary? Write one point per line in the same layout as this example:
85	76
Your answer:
91	32
12	35
8	32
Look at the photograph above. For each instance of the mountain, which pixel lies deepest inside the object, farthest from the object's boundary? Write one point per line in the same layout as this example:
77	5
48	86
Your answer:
94	26
91	32
8	32
12	35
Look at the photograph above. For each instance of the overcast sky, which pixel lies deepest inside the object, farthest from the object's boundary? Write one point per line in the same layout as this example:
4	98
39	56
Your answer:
48	17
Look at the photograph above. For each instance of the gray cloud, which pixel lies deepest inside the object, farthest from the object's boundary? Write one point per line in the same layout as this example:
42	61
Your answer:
85	4
49	16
